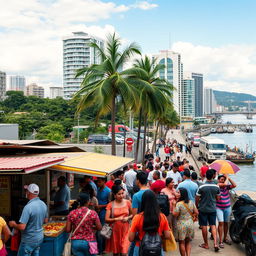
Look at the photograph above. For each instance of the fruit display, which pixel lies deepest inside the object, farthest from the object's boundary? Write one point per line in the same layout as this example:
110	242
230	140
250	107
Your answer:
54	228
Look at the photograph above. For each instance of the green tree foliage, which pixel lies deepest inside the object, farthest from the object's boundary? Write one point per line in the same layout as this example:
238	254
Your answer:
52	131
104	84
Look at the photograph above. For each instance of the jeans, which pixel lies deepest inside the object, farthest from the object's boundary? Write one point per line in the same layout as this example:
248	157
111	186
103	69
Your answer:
80	248
223	215
29	249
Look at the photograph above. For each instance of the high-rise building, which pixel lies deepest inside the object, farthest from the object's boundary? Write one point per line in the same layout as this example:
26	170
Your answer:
77	54
56	91
209	101
199	93
173	73
34	90
188	97
2	84
17	83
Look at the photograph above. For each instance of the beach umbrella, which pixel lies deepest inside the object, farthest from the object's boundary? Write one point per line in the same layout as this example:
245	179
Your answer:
224	167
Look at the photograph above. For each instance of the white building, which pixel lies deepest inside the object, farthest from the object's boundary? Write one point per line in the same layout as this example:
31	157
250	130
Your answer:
35	90
188	97
209	101
173	73
77	54
56	91
17	83
2	84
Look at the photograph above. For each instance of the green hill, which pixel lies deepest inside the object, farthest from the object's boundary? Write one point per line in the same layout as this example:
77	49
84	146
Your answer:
228	99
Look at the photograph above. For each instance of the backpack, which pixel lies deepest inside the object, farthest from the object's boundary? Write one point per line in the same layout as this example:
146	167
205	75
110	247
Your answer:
151	245
164	203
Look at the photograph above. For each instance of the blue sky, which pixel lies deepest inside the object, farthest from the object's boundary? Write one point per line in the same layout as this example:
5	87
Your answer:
214	37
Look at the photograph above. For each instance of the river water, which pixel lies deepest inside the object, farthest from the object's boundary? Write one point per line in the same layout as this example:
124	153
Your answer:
246	177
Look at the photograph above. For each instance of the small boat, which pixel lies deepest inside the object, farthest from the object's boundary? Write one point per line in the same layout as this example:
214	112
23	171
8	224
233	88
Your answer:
248	129
231	130
237	156
219	130
213	130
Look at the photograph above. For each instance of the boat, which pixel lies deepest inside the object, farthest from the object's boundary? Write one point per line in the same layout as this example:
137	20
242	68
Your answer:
231	130
248	129
237	156
219	130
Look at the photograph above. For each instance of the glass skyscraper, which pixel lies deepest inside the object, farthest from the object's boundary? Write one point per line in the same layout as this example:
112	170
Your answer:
173	73
199	91
188	97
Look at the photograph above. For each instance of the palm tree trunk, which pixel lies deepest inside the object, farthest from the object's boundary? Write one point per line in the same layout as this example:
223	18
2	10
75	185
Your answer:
138	136
113	119
144	138
154	144
166	130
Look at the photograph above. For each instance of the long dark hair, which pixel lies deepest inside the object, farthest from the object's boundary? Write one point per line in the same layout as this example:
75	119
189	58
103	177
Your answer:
151	211
184	195
115	190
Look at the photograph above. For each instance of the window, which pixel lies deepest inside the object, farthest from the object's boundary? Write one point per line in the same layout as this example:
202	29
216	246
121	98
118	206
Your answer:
217	146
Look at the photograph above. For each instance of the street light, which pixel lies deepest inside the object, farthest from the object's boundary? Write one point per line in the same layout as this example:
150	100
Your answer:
124	140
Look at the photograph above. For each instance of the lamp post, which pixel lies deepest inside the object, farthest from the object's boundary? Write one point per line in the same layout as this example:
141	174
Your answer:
124	140
78	134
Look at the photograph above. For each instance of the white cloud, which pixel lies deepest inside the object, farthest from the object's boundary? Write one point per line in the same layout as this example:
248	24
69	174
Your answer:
230	67
31	33
144	5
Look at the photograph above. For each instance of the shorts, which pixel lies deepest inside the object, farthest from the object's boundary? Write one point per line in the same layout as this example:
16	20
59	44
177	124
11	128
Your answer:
223	215
207	218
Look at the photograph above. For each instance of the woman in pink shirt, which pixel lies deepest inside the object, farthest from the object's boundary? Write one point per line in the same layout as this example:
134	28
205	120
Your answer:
170	191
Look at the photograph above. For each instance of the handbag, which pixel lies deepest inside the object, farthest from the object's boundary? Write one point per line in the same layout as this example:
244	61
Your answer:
67	246
93	247
3	251
169	244
194	217
106	231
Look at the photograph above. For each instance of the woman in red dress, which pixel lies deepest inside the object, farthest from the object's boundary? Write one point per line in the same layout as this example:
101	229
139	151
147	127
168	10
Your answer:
119	212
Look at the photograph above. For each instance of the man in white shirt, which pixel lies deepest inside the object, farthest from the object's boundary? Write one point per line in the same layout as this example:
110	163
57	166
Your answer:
150	175
129	178
174	174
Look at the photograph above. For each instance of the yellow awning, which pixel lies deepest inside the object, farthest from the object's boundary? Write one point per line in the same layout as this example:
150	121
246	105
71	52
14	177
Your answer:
93	164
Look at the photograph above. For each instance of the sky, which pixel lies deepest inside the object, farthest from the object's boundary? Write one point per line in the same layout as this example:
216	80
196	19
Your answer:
216	38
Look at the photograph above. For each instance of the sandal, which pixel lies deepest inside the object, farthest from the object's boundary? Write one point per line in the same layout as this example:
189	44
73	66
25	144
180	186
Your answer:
221	245
216	248
204	246
226	241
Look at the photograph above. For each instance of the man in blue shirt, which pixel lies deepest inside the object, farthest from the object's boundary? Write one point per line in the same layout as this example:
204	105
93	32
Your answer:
189	185
31	221
62	197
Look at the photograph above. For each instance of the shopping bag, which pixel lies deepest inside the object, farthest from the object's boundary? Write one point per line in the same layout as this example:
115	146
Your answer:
169	244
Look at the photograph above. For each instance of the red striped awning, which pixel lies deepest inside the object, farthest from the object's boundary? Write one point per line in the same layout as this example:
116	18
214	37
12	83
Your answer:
25	165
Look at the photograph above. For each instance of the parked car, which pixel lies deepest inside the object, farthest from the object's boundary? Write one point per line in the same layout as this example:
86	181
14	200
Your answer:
119	138
99	139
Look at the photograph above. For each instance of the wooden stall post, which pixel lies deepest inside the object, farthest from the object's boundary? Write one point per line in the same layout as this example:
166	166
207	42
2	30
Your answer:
48	190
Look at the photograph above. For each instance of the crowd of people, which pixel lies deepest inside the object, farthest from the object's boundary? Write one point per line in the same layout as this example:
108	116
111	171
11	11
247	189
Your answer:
136	209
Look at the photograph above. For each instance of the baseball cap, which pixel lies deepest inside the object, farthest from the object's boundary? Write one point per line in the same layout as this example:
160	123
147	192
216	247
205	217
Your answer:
32	188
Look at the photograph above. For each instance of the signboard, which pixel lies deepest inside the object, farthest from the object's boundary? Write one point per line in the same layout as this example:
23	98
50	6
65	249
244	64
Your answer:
5	199
129	148
129	141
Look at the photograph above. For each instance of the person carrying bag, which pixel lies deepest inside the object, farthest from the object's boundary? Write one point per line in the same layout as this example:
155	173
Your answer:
83	240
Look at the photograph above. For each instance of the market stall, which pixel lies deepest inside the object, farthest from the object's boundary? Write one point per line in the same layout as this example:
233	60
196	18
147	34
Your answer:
44	169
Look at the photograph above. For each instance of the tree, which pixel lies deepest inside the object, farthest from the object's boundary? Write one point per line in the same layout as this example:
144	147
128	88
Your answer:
14	99
155	93
52	131
104	84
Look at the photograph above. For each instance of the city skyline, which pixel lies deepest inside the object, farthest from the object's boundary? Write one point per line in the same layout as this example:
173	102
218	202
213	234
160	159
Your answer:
205	34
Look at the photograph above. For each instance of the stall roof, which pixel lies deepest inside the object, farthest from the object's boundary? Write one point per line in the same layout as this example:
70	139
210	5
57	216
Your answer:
12	147
93	164
24	165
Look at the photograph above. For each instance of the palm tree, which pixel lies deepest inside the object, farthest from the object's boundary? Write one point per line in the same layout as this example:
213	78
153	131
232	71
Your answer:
105	83
155	93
